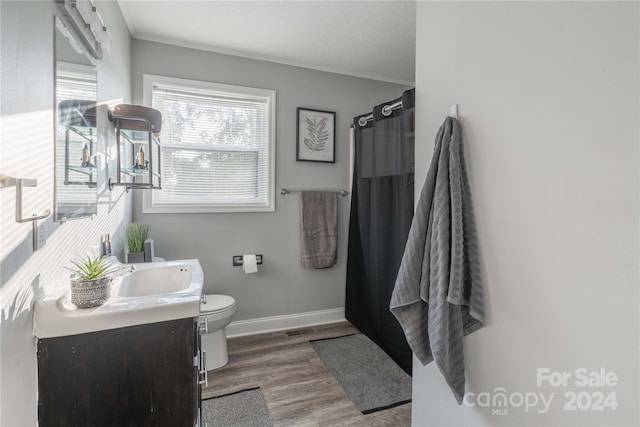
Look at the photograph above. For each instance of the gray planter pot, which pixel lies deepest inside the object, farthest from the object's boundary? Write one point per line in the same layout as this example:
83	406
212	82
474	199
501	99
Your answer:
90	293
134	257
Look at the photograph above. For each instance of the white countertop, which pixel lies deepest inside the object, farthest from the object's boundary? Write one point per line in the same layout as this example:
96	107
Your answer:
55	315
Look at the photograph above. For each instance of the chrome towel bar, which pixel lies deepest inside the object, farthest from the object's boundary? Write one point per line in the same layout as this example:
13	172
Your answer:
9	181
283	191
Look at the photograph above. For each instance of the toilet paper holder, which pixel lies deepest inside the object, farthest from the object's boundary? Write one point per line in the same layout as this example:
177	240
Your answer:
237	260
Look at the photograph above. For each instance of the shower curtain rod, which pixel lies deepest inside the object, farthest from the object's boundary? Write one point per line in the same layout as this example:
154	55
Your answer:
386	111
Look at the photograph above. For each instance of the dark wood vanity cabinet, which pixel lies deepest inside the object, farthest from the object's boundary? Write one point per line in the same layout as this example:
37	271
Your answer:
144	375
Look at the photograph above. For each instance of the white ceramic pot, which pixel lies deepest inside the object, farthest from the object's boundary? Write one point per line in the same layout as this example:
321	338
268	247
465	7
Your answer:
90	293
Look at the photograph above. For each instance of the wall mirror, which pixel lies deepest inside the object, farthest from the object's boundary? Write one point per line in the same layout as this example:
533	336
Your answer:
76	145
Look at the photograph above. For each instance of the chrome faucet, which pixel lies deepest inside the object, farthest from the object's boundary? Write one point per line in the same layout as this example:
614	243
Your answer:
122	270
118	268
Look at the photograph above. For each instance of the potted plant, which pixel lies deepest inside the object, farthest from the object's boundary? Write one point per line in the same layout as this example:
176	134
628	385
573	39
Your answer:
91	282
136	234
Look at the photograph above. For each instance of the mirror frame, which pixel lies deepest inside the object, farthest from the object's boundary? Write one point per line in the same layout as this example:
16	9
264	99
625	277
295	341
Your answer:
78	111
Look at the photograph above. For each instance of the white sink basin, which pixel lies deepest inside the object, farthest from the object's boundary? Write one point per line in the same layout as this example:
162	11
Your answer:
153	281
153	292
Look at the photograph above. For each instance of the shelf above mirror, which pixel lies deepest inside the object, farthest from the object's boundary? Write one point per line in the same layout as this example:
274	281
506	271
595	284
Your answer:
138	148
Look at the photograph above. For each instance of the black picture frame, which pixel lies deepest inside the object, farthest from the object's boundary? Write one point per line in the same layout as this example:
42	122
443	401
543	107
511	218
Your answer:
315	135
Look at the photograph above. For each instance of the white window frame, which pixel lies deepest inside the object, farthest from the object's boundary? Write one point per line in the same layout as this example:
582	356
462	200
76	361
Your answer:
149	80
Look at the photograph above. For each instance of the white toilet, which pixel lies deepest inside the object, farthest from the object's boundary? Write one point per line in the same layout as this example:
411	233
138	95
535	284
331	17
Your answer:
217	310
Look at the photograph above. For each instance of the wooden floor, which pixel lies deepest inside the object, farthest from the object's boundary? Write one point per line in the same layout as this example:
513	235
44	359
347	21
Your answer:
298	388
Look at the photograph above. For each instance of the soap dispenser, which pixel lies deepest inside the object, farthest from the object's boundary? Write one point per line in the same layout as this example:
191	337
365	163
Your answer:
85	155
106	245
140	162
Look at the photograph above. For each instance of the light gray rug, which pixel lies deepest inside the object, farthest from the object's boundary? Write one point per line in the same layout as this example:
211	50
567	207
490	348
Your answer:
371	379
246	408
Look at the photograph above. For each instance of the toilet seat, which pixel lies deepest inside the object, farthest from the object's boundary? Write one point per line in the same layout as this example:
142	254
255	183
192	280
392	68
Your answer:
216	303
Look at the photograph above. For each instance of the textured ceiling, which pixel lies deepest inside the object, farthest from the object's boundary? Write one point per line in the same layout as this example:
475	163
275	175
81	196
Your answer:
374	39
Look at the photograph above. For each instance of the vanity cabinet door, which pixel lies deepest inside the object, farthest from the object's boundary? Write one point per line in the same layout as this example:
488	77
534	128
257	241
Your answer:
135	376
197	357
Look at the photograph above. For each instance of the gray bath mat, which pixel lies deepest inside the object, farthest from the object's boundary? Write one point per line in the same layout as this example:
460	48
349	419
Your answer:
371	379
245	408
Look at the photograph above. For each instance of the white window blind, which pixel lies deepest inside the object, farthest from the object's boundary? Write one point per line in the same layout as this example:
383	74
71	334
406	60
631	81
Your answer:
73	81
217	147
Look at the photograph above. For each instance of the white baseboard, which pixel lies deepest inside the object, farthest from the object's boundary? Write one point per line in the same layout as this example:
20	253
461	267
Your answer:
288	321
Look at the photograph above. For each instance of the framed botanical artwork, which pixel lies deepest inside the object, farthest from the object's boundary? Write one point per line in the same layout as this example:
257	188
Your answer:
316	136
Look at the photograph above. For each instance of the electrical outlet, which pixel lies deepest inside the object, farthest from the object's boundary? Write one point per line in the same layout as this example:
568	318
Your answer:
39	235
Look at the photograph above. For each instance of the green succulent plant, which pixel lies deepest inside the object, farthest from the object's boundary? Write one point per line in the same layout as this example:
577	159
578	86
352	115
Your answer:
135	234
91	268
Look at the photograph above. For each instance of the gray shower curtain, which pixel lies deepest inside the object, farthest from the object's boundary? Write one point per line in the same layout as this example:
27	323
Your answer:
381	213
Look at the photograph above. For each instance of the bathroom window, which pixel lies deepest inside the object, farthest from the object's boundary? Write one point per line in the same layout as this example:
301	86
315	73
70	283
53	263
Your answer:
218	147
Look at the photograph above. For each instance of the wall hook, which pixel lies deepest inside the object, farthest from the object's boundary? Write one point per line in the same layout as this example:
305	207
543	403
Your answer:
453	111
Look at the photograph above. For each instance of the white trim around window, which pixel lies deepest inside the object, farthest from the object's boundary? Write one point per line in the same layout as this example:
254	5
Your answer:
261	194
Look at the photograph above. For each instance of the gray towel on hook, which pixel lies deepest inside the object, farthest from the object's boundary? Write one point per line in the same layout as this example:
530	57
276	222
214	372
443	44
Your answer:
319	228
438	295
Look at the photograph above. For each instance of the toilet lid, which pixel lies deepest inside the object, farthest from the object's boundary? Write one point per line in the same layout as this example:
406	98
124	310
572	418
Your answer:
216	303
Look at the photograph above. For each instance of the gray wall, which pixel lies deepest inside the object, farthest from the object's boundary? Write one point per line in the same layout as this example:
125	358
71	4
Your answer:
548	96
281	286
26	151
